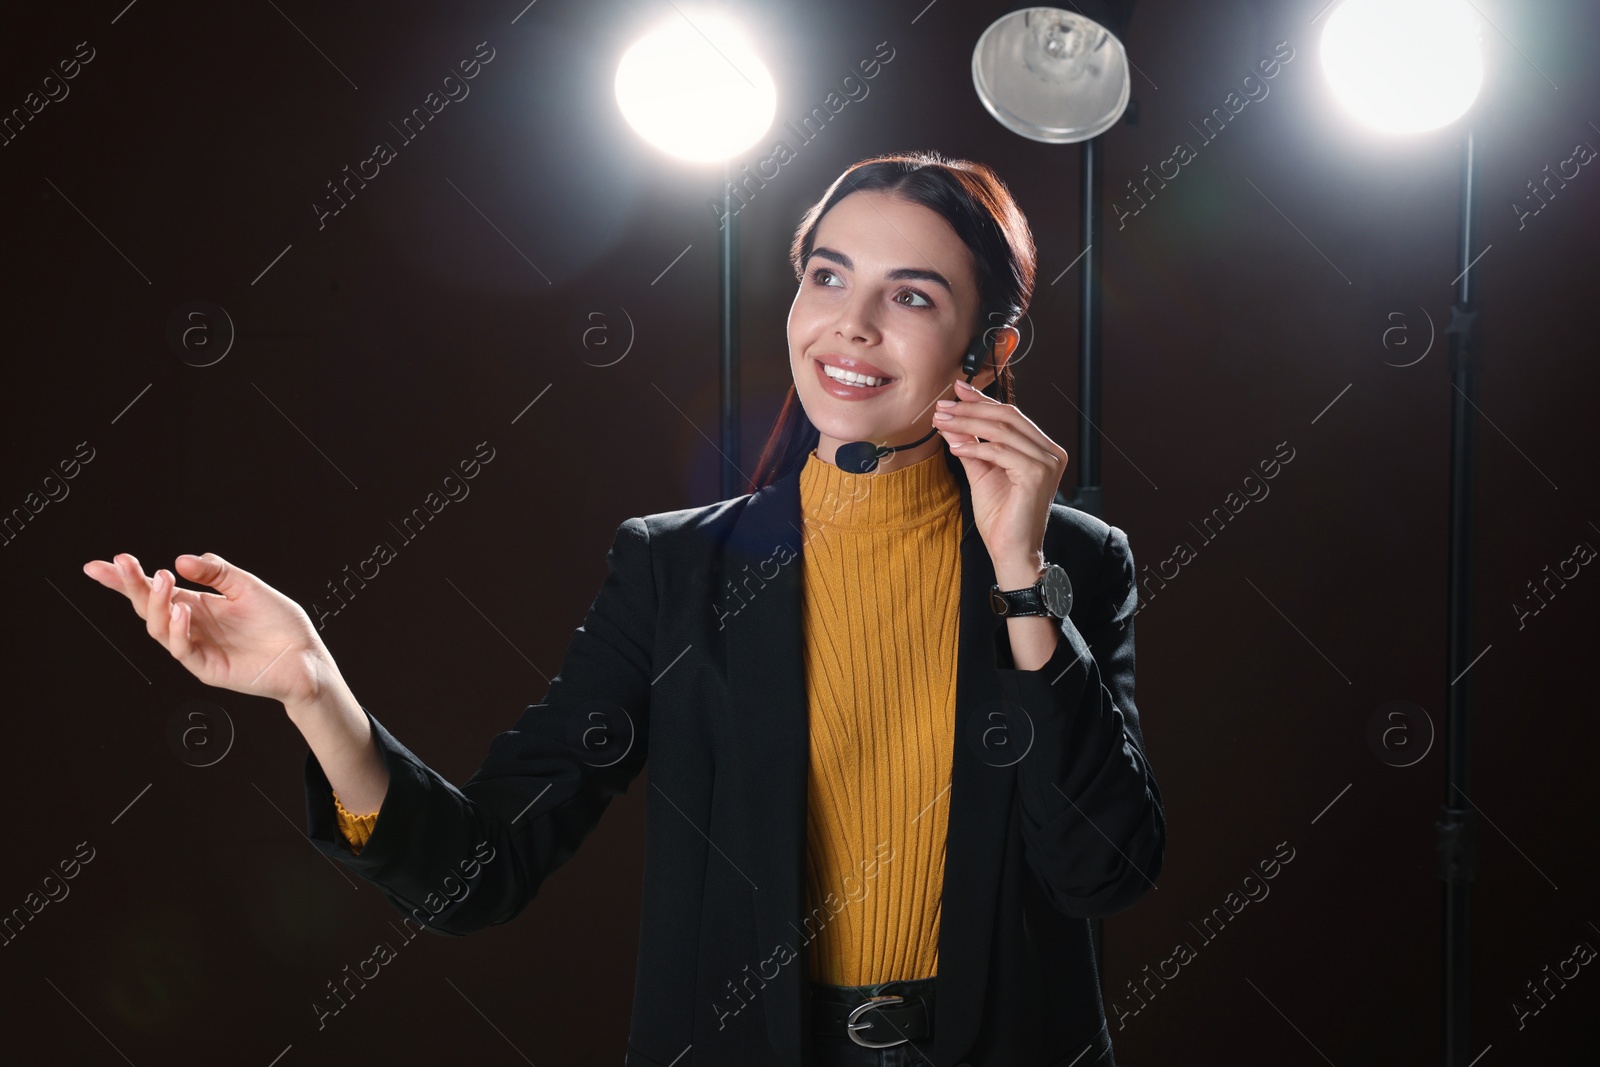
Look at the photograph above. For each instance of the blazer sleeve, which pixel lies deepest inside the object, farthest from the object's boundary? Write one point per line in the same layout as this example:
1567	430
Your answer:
1093	828
459	859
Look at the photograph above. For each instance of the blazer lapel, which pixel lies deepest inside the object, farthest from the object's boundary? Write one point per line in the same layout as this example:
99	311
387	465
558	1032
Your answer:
770	742
982	784
771	746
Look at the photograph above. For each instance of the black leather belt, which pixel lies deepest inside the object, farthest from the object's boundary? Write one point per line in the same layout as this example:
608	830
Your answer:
877	1022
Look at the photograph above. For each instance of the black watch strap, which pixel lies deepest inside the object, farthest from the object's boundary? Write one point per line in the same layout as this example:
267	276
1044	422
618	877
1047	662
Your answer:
1051	595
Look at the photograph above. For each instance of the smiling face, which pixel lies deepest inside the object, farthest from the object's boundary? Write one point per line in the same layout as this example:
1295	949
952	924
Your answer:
889	291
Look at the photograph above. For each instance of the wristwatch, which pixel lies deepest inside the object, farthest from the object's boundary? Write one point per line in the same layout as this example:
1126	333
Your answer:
1050	595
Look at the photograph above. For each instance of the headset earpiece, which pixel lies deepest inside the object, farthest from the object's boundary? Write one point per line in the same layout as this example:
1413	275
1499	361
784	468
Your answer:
978	353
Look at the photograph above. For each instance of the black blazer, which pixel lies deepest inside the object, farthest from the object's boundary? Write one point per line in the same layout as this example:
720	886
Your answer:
691	655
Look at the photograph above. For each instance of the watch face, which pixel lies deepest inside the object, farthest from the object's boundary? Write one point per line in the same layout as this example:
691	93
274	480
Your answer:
1057	591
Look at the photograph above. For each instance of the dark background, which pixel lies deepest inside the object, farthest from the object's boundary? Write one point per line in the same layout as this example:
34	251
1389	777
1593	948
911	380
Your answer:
379	351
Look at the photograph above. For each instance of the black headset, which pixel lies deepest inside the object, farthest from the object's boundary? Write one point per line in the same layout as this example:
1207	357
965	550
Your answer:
980	352
861	457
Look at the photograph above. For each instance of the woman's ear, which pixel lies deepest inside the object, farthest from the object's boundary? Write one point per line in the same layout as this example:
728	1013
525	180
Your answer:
1006	340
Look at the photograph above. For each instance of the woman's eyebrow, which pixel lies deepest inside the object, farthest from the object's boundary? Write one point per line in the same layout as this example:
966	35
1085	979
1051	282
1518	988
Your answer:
898	274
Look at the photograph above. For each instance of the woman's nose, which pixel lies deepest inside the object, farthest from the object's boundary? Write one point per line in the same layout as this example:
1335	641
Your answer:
856	324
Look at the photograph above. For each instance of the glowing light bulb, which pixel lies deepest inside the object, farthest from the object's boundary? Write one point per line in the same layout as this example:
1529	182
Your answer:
1403	66
696	89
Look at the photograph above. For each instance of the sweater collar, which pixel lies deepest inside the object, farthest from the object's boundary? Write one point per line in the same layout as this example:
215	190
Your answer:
905	497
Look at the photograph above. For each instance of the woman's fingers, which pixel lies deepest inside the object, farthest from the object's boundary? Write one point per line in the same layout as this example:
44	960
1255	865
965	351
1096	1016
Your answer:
158	606
168	611
214	571
135	586
983	417
120	573
104	572
178	642
1003	432
124	574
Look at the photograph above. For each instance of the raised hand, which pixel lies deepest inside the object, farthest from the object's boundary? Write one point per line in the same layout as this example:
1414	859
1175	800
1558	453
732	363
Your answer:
1014	469
247	636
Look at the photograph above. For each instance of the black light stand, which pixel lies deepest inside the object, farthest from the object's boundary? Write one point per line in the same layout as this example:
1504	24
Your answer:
1090	494
1457	827
728	290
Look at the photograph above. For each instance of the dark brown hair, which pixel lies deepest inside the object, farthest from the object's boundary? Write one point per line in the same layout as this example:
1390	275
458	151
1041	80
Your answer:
979	208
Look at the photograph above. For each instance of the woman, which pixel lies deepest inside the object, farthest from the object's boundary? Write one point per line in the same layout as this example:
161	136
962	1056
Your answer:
894	769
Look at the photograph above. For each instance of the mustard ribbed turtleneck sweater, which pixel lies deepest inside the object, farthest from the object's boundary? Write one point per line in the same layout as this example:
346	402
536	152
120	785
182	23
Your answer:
880	606
881	571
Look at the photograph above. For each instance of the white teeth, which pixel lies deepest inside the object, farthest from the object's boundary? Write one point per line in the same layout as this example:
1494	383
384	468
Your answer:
849	377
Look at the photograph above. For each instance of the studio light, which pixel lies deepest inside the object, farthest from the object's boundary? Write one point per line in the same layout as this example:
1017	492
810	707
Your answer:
696	89
1403	66
1051	75
1411	66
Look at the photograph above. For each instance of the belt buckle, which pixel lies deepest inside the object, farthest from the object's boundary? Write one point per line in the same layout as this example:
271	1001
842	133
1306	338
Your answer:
851	1026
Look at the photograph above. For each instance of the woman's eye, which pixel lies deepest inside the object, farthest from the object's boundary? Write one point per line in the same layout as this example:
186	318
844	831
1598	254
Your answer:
820	273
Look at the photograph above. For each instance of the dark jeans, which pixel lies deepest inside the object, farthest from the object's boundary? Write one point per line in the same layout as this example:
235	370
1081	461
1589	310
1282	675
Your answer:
842	1052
